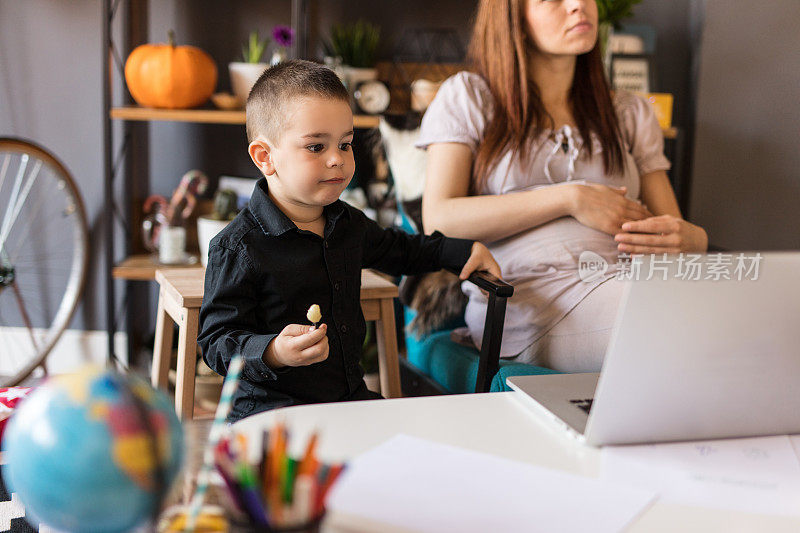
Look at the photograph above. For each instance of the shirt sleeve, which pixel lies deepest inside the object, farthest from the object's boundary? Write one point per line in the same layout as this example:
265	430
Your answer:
228	323
642	133
458	113
396	252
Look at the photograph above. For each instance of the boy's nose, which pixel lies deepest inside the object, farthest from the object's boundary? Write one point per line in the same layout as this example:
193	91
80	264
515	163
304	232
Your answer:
335	160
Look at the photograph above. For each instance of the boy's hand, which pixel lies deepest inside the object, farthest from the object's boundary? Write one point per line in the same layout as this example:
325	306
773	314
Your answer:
480	259
297	345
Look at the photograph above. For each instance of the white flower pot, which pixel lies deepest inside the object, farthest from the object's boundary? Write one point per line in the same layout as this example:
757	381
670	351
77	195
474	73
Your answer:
207	229
243	77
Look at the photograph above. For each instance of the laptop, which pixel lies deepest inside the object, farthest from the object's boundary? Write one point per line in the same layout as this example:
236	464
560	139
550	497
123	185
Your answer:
690	357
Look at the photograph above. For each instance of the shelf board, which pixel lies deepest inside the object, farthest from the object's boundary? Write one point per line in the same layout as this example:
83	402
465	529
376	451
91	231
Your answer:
142	267
219	116
366	121
207	116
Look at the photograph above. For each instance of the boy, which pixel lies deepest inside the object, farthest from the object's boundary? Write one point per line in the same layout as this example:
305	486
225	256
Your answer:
297	244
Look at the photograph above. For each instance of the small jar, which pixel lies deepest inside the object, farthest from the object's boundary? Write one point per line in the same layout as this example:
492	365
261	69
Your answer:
172	245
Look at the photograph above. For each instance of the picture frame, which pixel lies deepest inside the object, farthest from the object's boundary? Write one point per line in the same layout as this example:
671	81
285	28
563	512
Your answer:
632	72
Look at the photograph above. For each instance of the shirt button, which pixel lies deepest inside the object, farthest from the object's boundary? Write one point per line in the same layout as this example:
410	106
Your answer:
325	243
343	328
336	286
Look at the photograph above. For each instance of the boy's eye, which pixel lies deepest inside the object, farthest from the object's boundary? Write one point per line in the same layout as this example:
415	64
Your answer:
315	148
345	146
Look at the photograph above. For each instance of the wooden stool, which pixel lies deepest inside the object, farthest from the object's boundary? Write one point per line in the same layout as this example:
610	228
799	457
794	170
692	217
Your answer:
377	303
181	294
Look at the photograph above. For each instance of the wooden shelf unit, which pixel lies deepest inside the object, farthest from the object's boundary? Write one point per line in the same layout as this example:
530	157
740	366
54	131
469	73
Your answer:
206	116
220	116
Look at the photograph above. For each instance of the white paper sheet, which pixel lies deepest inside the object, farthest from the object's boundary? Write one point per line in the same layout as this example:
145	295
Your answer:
419	485
759	475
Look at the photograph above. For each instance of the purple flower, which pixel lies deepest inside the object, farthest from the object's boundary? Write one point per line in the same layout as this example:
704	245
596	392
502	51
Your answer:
283	35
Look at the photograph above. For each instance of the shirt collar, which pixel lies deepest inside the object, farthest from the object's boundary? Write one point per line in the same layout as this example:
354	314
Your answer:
273	221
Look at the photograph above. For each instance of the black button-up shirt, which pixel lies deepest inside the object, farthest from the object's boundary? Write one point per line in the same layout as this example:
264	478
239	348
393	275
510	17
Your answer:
264	273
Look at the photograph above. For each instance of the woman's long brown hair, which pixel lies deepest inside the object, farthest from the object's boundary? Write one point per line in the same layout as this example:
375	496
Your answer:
498	53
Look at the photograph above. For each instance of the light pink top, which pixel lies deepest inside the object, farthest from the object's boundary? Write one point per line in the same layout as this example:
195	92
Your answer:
542	262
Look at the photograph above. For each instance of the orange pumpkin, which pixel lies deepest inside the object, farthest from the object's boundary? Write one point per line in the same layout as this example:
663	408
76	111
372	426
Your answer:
169	76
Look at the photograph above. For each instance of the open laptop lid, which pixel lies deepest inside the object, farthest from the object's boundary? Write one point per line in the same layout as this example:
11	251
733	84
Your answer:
703	358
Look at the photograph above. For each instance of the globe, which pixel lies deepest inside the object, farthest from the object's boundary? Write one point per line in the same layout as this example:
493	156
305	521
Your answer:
93	451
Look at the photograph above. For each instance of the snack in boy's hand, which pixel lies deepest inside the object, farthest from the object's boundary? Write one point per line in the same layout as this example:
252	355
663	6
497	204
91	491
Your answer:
314	315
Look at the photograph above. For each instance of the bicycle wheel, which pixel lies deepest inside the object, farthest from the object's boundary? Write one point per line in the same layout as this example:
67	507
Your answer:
44	253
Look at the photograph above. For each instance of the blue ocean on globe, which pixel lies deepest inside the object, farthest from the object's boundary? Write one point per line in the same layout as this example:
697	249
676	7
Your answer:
81	456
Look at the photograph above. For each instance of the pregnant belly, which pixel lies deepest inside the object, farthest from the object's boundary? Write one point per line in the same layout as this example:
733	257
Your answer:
552	249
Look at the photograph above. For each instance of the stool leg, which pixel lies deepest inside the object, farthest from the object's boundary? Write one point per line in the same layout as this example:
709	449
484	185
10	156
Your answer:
187	360
388	364
162	350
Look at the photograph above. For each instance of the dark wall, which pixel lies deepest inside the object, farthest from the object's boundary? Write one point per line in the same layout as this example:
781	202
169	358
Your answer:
746	177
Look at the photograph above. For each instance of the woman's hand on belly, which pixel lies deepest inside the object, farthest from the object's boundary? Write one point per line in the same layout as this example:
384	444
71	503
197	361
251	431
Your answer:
661	234
604	208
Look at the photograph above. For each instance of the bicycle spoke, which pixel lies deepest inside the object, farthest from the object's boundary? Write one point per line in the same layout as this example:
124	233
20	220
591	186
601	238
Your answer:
3	170
24	313
32	214
41	228
12	202
20	203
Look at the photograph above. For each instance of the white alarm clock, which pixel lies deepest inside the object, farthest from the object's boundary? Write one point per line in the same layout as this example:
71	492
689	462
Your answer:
372	97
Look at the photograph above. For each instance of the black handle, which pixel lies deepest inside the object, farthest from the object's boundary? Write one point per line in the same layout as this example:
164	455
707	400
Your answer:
499	291
489	282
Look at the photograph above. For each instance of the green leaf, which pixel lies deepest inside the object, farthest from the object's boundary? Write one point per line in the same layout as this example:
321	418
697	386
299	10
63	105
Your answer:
254	48
614	11
355	43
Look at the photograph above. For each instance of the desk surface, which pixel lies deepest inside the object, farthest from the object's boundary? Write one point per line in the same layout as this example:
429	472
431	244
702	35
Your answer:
493	423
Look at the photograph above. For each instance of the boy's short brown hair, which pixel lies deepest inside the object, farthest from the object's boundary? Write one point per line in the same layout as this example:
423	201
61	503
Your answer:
278	85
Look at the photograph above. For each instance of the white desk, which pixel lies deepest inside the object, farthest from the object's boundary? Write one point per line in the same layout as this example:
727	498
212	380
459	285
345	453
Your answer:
493	423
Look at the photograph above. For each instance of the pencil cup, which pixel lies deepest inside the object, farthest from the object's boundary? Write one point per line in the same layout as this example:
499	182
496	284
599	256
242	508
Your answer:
311	527
214	519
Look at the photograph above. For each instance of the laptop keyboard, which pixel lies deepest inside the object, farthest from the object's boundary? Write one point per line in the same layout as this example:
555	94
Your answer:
585	405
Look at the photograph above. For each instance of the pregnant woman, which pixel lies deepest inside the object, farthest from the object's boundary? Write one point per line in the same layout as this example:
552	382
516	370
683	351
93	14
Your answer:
531	153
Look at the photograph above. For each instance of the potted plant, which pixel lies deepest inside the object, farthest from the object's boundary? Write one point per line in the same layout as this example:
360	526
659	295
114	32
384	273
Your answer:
245	73
356	44
225	210
284	37
610	15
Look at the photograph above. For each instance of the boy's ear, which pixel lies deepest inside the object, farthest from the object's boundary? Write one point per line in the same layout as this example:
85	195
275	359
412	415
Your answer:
261	154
